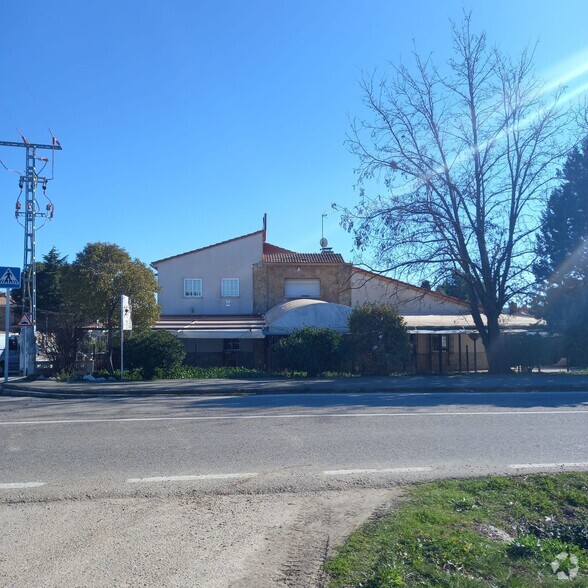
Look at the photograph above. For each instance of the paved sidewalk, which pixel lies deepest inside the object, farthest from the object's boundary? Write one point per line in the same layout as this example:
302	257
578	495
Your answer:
459	383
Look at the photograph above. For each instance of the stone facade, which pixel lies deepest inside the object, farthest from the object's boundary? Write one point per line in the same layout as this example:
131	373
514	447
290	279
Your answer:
269	282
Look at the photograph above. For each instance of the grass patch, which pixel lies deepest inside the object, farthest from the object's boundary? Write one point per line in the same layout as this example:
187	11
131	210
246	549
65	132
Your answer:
497	531
186	372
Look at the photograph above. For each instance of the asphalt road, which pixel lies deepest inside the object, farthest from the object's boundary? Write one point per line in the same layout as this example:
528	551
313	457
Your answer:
112	447
241	491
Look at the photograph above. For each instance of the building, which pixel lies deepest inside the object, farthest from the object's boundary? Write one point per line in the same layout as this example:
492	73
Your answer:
228	301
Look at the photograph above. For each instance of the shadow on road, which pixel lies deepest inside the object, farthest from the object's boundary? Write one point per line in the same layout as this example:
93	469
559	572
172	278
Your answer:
392	400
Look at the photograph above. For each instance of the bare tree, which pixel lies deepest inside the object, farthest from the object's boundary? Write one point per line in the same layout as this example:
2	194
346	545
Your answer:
467	154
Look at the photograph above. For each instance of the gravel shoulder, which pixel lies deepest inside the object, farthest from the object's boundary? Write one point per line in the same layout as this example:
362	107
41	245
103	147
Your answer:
217	541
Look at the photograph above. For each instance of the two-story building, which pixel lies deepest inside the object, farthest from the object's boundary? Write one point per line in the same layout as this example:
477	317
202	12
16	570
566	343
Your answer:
227	301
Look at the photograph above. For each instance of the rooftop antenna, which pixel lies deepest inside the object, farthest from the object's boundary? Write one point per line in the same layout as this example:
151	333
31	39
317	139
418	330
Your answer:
32	210
323	242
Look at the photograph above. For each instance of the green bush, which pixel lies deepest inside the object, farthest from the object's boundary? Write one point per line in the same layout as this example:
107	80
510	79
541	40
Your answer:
311	350
527	351
379	342
153	350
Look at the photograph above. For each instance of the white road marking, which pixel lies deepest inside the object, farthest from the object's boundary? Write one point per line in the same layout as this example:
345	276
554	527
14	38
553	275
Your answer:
533	466
18	485
291	416
190	478
382	471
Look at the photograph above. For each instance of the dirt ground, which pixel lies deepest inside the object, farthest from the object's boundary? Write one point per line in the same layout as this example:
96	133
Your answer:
214	541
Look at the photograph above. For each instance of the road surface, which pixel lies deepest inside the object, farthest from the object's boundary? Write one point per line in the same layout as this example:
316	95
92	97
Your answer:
243	490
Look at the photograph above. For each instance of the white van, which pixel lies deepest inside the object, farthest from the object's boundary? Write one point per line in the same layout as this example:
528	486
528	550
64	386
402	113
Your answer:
13	354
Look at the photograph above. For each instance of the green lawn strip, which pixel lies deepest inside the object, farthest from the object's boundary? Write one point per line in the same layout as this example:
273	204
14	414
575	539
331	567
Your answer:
498	531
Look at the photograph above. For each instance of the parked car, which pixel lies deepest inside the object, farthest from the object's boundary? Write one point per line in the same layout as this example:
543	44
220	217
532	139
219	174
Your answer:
13	354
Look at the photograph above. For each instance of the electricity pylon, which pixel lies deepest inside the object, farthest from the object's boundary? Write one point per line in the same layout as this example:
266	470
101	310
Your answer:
32	210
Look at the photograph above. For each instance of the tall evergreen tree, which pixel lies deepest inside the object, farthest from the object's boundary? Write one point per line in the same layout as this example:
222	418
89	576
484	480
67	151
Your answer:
454	285
562	246
562	256
49	279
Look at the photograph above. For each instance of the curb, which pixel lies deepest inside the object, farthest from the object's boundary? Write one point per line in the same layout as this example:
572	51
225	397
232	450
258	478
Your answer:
268	389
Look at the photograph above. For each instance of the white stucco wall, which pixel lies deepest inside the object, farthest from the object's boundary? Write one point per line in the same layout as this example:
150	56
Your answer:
232	259
371	288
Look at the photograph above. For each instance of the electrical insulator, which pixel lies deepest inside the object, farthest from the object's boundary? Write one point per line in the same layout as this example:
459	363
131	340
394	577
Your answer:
18	206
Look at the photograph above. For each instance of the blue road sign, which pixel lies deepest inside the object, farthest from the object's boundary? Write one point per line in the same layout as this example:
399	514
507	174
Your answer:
9	277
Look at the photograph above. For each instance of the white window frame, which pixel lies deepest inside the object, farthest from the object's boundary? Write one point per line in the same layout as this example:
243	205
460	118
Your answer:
229	287
189	290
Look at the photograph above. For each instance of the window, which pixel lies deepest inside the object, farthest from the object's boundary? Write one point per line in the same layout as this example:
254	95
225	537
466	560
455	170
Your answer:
229	287
193	287
443	341
302	288
231	344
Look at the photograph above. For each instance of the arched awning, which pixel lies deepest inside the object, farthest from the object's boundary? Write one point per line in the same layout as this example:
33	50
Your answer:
305	312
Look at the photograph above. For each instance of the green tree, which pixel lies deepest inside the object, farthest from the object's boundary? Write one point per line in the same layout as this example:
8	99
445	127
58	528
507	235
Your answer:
467	152
379	340
310	349
562	256
100	274
50	272
454	285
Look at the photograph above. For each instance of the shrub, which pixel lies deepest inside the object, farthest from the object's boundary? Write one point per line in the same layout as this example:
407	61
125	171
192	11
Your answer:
311	350
379	341
153	350
528	351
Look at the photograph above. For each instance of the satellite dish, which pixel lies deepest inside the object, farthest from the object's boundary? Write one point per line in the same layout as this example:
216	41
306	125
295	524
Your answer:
323	242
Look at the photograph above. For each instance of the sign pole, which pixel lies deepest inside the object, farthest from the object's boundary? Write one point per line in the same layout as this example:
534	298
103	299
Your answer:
9	278
122	338
126	324
7	337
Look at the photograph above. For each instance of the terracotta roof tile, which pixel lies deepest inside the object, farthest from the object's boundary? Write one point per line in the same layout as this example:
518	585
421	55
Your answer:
311	258
269	248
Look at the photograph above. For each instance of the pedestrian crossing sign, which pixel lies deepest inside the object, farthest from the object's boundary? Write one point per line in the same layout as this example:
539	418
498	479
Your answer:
9	277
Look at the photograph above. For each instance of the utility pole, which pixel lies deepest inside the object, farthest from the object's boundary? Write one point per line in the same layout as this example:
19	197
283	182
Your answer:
32	210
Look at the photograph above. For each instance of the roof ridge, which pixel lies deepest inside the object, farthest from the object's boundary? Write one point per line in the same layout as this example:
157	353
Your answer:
153	263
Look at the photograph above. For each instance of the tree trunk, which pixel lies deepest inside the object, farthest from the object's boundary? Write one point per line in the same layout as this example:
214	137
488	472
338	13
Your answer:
495	349
109	343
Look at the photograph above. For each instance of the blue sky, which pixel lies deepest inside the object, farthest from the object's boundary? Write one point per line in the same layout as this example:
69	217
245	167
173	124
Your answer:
183	122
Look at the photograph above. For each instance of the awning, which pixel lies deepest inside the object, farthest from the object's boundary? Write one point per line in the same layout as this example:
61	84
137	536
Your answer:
454	324
296	314
212	327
